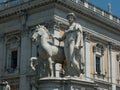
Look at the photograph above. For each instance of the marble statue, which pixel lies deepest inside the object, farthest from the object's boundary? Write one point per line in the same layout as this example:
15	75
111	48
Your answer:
73	42
7	86
48	54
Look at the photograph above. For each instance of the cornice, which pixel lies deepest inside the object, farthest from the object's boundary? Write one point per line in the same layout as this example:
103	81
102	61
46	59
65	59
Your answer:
24	6
101	36
89	14
101	82
80	9
92	33
86	36
68	4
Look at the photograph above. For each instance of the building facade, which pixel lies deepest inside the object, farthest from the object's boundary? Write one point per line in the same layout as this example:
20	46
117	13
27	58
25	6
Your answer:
18	19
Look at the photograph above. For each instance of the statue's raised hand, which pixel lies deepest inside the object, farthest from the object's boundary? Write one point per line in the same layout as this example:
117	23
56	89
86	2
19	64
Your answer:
59	39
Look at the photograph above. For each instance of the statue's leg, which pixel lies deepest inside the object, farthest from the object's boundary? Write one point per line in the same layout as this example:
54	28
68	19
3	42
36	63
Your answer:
72	59
82	60
51	69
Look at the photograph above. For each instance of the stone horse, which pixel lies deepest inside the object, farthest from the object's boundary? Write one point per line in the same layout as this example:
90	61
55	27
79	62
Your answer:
46	51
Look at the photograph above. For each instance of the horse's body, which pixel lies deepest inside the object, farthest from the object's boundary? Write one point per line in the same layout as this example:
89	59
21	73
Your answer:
46	51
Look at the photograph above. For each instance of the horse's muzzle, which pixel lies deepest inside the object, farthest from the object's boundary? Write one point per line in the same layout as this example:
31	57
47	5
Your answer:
33	39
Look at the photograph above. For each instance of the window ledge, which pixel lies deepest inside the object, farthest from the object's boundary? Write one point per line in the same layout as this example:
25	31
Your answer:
11	70
99	76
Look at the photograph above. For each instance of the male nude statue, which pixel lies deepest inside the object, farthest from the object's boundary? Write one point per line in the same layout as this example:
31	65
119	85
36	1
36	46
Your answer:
73	42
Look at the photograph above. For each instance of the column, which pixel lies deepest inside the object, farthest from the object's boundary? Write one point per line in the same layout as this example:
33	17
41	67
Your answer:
113	69
87	56
25	59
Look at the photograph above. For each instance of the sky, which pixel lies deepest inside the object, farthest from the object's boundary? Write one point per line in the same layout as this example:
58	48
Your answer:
103	4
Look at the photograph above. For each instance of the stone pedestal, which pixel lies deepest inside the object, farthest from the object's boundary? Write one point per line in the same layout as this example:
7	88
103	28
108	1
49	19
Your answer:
64	84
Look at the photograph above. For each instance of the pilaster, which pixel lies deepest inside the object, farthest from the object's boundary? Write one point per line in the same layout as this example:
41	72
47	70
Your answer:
109	64
87	55
24	83
25	57
112	66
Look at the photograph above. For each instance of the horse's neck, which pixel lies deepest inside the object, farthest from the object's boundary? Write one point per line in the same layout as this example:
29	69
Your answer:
44	40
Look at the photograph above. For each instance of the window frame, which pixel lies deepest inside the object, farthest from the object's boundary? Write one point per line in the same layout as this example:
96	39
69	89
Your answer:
12	44
98	50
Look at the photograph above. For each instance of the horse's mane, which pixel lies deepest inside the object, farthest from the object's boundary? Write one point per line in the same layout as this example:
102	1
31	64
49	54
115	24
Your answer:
42	26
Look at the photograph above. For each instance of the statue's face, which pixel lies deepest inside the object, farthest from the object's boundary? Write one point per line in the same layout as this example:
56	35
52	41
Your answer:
71	19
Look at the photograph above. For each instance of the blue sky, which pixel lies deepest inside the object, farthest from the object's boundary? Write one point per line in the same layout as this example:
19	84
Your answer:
115	5
104	5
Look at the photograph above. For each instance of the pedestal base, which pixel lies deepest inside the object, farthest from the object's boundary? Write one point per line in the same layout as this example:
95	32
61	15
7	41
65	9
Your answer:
64	84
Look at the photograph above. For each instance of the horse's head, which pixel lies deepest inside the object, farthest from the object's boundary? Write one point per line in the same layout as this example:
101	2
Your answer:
40	31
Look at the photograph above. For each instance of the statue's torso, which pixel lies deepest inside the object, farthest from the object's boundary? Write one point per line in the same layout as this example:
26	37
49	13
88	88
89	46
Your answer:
71	36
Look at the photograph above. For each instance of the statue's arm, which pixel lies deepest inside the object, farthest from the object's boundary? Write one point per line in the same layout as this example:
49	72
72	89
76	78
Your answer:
79	37
62	38
70	30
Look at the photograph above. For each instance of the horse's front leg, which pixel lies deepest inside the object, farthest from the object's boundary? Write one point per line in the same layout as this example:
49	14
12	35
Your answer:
51	67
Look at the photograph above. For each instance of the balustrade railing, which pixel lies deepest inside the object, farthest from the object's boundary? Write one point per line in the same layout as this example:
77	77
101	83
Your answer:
97	10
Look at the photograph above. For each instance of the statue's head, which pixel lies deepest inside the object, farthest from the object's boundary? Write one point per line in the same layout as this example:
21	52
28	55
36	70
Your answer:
71	15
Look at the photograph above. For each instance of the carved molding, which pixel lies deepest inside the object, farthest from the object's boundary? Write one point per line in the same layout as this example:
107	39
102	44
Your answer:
118	57
99	47
13	40
12	43
112	46
86	36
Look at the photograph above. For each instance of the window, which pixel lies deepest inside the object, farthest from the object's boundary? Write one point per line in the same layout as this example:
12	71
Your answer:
14	59
12	54
98	68
99	59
